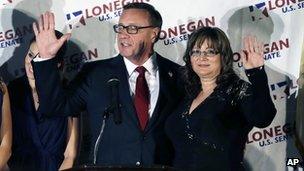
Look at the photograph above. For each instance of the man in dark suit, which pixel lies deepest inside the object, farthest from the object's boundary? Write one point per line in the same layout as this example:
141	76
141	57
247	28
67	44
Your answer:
135	91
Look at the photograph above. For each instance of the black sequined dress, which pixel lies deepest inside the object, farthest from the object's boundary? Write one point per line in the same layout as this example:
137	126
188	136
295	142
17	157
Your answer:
213	136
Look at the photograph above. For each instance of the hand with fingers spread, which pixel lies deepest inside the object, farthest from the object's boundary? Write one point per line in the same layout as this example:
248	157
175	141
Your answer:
252	54
48	44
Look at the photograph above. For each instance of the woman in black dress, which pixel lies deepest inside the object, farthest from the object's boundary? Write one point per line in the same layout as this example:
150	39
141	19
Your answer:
210	127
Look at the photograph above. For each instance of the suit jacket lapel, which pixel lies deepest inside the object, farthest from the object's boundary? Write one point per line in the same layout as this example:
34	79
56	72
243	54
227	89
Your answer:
125	98
165	97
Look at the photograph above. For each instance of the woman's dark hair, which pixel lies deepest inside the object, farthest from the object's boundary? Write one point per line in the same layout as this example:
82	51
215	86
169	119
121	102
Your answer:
60	54
217	40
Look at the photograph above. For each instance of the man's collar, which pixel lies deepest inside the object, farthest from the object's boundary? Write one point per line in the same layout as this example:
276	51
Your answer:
150	65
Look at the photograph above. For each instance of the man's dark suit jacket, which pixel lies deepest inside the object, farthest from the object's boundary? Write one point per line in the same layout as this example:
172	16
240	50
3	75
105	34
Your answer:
121	144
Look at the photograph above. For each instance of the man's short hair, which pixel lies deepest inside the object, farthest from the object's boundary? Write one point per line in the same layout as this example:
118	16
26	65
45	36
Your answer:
155	17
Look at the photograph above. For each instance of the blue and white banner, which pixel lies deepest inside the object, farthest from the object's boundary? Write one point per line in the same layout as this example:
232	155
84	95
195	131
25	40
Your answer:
278	23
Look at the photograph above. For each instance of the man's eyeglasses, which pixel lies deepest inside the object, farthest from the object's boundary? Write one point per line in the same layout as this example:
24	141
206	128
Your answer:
206	53
131	29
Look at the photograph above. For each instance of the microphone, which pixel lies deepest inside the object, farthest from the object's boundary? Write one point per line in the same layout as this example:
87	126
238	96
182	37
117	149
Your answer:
113	84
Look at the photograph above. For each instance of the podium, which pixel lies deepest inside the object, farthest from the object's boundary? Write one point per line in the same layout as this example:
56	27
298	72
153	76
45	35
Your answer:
120	168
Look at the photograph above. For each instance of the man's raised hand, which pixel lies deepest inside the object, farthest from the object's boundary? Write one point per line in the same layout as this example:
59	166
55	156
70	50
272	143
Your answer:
47	42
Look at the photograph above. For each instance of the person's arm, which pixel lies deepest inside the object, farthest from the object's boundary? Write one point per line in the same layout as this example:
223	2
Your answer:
6	131
72	144
255	101
53	100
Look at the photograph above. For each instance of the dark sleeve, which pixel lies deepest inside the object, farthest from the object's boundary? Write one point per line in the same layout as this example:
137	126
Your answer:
255	101
53	99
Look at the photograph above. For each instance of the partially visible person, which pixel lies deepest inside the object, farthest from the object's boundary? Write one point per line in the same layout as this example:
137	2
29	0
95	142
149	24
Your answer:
6	127
46	144
148	91
209	129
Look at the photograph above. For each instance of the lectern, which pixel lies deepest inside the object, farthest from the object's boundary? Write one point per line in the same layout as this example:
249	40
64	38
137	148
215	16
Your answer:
120	168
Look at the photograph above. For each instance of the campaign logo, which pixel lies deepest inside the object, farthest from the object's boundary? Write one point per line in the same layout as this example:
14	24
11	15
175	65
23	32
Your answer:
181	32
104	12
76	14
260	6
272	51
284	89
13	37
284	5
272	135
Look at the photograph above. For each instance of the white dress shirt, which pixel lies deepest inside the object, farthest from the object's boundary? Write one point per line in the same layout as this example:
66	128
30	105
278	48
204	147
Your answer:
152	78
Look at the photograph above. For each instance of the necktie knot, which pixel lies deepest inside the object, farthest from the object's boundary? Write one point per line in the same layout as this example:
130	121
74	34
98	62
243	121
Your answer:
141	70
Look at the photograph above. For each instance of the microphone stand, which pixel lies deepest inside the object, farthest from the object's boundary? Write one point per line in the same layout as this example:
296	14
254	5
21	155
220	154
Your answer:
96	146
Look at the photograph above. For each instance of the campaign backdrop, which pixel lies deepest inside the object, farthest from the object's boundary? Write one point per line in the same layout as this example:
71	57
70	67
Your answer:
278	23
